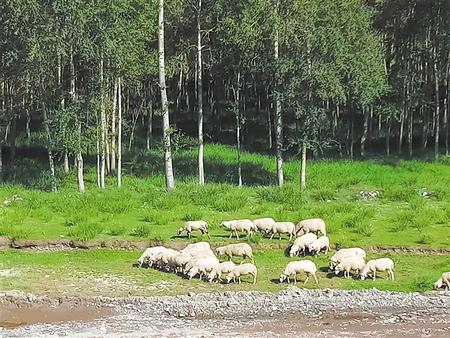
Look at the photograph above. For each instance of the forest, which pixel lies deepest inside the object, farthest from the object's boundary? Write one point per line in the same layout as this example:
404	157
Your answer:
83	82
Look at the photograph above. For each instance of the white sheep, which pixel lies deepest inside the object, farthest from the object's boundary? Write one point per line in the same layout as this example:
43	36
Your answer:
191	226
443	280
282	228
343	253
240	249
374	265
201	266
241	225
180	260
315	225
197	248
226	267
263	223
319	244
241	270
301	243
149	255
355	263
296	267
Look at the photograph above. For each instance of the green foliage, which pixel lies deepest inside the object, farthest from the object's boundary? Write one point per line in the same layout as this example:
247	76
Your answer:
141	231
84	232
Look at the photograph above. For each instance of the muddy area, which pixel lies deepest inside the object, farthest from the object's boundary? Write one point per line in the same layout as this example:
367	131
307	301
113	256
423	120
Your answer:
294	311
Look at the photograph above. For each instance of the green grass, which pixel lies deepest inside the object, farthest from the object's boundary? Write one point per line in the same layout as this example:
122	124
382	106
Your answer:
110	272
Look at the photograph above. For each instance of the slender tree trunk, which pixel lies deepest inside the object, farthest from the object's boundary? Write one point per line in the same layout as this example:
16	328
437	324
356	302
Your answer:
62	105
237	97
364	136
119	132
102	127
303	167
201	170
278	115
66	162
150	126
446	103
113	130
170	182
388	137
79	156
437	101
400	134
49	149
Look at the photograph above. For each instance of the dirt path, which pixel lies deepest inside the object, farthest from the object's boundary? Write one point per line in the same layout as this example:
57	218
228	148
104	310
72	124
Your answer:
299	312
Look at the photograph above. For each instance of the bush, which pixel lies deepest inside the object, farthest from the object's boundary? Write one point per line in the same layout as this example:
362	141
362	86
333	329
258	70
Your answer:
156	217
230	202
14	232
323	194
84	232
193	215
141	231
116	230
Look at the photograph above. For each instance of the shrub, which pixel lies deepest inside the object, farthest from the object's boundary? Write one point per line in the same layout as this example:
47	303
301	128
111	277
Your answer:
156	217
324	194
15	232
116	230
84	232
141	231
230	202
193	215
365	230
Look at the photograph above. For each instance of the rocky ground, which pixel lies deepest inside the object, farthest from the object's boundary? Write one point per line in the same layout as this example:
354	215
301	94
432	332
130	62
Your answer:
323	313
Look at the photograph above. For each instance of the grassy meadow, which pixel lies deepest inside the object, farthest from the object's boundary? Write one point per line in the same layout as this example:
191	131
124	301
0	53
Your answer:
143	211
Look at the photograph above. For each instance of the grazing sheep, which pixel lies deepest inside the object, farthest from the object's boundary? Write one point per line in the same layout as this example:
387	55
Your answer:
343	253
149	255
241	249
242	225
226	267
263	223
191	226
319	244
241	270
314	225
355	263
301	243
201	266
282	228
196	249
296	267
166	259
444	280
180	260
381	264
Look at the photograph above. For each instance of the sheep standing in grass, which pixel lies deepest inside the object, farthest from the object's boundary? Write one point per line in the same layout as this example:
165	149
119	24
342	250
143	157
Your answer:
242	225
241	249
281	228
242	270
381	264
301	243
354	263
198	249
201	266
319	244
191	226
262	224
149	255
314	225
296	267
166	259
443	280
344	253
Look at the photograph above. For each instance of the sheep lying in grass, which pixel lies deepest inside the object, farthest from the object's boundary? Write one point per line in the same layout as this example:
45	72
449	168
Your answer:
242	270
344	253
241	249
444	280
381	264
296	267
319	244
301	243
242	225
354	263
191	226
149	255
263	223
314	225
281	228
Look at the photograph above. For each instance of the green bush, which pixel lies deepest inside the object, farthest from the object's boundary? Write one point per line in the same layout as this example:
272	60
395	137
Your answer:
141	231
84	232
230	202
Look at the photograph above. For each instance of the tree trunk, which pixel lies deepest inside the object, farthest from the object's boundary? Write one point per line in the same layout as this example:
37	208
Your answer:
237	98
437	101
119	132
278	115
201	170
364	136
66	162
388	137
102	127
303	167
150	126
113	130
49	149
400	134
170	182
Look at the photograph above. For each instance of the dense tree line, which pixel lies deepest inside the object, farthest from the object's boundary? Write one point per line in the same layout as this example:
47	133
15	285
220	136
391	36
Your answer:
298	77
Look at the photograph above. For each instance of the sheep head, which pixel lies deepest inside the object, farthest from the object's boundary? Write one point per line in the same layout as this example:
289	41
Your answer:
282	277
180	231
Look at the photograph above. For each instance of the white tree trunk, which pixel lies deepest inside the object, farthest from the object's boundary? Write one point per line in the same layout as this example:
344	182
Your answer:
201	171
119	133
102	127
303	168
278	117
113	131
170	182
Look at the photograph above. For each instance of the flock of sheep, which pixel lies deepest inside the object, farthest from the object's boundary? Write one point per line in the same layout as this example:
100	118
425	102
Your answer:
199	260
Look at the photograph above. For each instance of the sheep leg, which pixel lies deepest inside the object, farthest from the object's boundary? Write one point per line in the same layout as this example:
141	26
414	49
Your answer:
253	261
295	279
289	281
231	234
307	278
374	273
315	277
290	236
271	236
279	236
254	278
237	235
239	279
189	234
207	233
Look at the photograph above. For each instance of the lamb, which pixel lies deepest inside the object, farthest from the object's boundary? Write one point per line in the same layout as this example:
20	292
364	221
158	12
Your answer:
149	255
343	253
241	270
242	225
355	263
319	244
443	280
262	224
301	243
381	264
282	228
296	267
191	226
314	225
241	249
